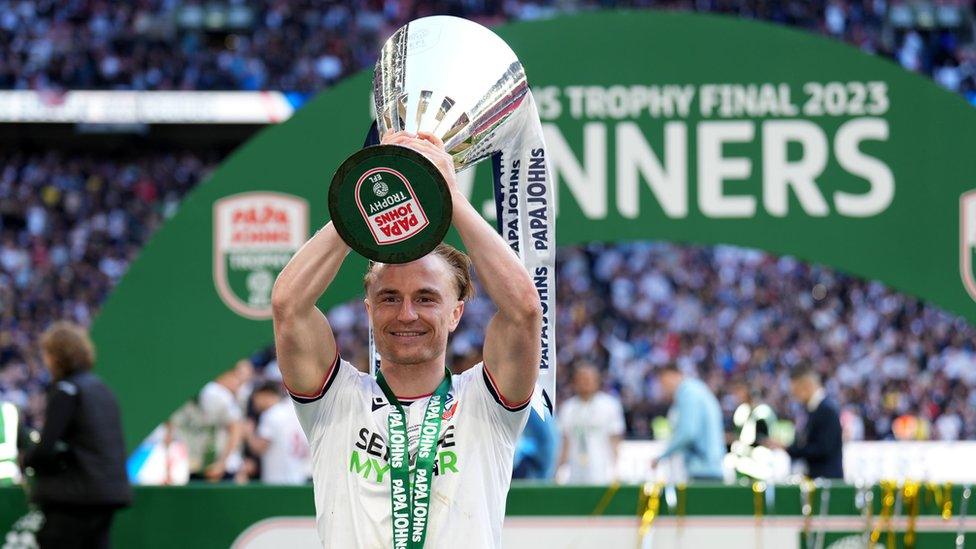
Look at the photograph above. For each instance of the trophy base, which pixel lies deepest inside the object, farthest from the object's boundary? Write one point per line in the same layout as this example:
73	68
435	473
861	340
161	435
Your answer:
390	204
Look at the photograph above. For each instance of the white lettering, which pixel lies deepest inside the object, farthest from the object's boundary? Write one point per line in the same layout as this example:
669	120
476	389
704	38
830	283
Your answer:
714	169
669	184
587	183
877	173
779	173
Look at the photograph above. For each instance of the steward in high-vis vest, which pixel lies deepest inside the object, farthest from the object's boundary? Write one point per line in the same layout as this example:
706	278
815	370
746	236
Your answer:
9	422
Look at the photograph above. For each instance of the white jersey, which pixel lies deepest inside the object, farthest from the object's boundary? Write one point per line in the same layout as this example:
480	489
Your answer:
286	461
346	424
203	425
588	426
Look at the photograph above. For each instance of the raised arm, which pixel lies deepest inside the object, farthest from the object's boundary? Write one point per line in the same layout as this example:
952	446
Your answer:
303	338
512	341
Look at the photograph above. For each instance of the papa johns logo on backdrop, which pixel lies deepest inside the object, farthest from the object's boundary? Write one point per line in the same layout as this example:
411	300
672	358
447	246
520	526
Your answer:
255	234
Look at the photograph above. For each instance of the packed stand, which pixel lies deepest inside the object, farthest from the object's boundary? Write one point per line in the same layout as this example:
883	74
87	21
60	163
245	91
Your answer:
304	46
70	225
728	314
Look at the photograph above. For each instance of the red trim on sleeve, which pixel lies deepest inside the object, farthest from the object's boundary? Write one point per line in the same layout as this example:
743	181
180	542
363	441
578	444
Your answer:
325	382
501	398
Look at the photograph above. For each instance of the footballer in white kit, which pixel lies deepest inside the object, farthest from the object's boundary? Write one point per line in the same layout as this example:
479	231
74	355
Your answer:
414	457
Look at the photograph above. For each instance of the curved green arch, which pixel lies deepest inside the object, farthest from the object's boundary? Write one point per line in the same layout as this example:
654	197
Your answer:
165	330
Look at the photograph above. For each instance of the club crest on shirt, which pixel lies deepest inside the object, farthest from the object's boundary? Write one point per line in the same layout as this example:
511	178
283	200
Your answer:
449	411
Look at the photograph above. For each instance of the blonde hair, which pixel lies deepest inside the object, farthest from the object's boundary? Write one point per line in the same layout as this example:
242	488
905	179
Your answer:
457	260
68	347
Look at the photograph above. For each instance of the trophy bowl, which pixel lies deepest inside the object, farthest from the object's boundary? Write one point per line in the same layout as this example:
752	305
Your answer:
444	75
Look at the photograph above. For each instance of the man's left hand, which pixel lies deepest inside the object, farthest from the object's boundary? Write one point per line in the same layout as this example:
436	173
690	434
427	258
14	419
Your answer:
431	147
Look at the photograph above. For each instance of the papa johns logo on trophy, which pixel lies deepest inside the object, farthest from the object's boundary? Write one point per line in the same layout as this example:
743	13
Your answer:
389	206
255	234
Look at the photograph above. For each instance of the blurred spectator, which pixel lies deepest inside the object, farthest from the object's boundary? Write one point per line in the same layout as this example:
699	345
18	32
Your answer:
278	438
212	426
696	425
819	442
78	463
592	424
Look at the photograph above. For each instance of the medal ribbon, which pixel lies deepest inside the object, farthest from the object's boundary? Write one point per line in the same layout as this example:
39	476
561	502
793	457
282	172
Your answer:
410	494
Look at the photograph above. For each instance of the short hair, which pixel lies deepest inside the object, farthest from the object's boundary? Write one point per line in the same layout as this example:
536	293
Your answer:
670	368
69	348
804	370
586	365
457	260
269	386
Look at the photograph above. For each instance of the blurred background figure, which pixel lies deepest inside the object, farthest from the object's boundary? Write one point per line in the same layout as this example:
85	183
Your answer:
696	425
212	426
278	438
592	424
819	440
78	463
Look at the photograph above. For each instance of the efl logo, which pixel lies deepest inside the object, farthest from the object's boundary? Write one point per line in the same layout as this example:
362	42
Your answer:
389	206
255	234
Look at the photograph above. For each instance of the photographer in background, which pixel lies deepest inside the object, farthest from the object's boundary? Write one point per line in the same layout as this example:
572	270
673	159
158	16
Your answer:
78	465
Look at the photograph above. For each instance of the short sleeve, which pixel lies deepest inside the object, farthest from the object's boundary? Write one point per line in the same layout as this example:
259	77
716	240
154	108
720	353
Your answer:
616	424
315	409
505	419
218	404
565	417
266	427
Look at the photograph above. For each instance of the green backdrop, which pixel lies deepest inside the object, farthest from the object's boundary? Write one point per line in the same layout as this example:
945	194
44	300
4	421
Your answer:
668	126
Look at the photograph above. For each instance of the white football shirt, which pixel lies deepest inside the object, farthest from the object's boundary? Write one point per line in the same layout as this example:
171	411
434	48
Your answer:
588	426
287	459
346	425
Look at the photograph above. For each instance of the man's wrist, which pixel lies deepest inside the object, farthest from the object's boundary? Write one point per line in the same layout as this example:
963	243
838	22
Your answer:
460	203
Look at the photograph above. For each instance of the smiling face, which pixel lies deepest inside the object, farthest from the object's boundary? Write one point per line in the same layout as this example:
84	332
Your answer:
413	307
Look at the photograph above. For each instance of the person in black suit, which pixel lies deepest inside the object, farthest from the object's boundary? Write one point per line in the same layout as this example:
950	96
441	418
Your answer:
820	444
78	465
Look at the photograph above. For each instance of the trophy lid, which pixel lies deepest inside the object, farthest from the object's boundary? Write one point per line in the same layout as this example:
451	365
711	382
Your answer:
453	78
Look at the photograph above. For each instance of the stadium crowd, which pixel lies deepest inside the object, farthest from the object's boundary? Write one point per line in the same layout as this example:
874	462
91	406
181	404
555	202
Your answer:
70	223
304	45
70	226
726	314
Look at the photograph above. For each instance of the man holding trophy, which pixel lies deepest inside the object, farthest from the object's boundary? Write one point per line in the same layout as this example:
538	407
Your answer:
415	457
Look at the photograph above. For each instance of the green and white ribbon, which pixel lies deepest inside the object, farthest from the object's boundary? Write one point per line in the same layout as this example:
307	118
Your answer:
410	494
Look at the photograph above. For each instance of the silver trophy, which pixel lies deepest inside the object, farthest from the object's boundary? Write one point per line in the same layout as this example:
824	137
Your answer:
459	81
453	78
448	76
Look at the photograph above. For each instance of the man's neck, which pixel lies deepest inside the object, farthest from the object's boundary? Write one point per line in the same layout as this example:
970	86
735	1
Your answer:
413	380
816	398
